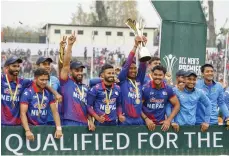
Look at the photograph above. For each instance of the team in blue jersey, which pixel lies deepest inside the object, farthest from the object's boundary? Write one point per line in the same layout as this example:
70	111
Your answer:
131	97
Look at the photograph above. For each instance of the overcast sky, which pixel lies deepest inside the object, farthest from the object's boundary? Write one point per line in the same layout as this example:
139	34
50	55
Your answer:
36	13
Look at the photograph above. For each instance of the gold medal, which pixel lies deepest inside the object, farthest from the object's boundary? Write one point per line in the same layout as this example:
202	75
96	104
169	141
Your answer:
107	109
39	105
12	95
107	100
137	101
81	93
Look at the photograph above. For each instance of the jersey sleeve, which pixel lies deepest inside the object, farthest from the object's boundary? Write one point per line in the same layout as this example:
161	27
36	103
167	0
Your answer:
125	69
226	98
62	81
51	99
56	84
27	83
170	92
207	103
25	97
91	97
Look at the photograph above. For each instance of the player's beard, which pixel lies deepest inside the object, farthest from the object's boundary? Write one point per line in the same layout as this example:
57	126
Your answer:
78	77
109	79
13	73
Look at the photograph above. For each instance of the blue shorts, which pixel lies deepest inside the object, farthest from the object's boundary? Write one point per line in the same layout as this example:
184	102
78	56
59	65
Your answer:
106	123
132	121
73	123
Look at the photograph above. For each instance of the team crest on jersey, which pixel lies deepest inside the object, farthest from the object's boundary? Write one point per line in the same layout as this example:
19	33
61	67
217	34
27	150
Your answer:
151	93
132	89
116	93
213	90
43	106
164	93
7	91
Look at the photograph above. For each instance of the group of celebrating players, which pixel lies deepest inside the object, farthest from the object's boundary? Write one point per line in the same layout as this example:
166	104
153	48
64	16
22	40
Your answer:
131	97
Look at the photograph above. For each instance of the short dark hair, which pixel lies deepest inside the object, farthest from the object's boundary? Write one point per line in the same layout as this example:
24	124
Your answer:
159	67
106	66
40	72
154	59
204	66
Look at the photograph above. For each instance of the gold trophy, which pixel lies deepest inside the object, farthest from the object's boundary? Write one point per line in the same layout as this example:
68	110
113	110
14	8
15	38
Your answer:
137	28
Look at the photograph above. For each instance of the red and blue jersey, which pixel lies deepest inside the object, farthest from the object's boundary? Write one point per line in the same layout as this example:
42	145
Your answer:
10	115
148	78
74	106
96	101
129	106
155	100
29	97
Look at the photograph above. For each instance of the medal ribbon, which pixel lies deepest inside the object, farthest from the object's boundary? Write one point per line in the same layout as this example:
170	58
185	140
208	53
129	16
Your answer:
108	98
80	93
38	101
135	86
150	77
13	96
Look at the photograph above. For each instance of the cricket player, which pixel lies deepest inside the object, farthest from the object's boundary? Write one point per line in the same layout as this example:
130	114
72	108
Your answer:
35	103
104	99
156	95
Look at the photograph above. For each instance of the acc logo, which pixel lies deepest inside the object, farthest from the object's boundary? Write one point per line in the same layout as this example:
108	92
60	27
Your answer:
116	93
151	93
7	91
213	90
164	93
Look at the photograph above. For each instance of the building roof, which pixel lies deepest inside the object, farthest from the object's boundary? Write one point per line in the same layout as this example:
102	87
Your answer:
75	25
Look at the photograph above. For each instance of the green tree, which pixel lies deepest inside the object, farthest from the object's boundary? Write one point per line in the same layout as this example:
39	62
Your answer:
106	13
208	10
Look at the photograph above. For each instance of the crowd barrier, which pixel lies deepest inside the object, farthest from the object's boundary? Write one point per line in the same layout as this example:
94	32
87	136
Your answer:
128	140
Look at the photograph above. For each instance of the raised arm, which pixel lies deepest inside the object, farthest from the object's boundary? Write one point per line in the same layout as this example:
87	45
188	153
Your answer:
61	53
24	102
124	72
67	58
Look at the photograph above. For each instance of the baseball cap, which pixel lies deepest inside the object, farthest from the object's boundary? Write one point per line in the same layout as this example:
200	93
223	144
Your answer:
189	73
43	59
76	64
12	60
180	72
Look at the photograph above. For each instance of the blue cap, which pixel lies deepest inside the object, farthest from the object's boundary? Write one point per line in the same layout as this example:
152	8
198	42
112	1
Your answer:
189	73
12	60
180	72
76	64
43	59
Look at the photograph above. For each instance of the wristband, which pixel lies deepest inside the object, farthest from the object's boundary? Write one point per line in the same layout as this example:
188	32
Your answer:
58	128
145	118
27	130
